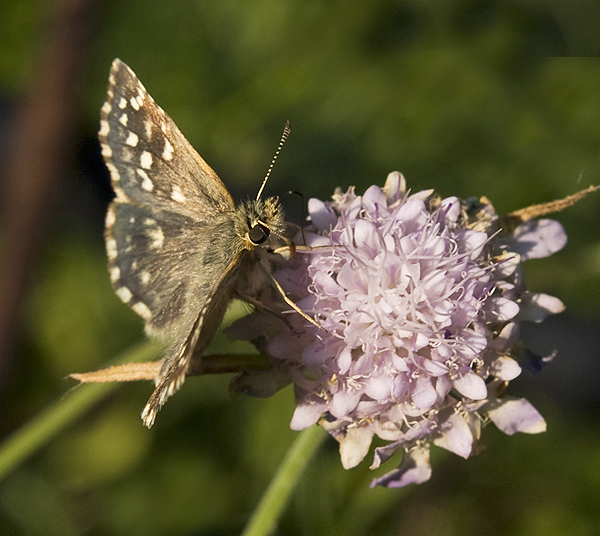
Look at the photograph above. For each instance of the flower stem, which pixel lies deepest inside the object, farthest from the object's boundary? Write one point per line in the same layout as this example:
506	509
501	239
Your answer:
276	497
33	435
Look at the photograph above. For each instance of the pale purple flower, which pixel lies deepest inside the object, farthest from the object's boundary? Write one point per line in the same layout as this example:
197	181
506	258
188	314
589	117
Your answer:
420	300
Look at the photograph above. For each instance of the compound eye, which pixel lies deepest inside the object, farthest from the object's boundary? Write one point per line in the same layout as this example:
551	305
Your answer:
258	234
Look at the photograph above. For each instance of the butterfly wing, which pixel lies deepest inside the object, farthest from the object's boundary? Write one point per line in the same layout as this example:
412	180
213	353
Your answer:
150	160
160	223
167	225
173	371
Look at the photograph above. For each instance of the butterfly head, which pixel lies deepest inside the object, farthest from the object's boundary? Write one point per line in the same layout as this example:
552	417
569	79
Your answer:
261	223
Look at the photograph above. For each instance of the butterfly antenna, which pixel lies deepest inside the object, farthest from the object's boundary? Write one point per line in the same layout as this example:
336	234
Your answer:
302	213
284	136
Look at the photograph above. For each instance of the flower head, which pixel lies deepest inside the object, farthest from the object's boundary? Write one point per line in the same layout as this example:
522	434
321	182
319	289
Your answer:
420	300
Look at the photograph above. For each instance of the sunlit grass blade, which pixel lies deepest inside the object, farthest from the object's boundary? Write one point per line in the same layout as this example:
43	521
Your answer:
273	502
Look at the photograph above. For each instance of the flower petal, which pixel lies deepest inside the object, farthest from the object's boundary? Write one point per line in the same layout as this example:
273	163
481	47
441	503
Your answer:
414	469
517	415
471	386
374	201
536	239
306	414
506	368
354	446
456	436
424	394
451	208
472	242
501	309
321	214
383	454
506	338
365	236
379	386
395	186
536	307
343	403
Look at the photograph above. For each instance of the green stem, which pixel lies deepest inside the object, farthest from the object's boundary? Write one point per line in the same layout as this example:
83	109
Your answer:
276	497
33	435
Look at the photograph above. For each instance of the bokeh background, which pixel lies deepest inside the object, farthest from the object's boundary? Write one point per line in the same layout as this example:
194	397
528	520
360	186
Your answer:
471	98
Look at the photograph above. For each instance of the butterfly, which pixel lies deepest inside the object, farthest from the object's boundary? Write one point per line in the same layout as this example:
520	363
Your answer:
179	248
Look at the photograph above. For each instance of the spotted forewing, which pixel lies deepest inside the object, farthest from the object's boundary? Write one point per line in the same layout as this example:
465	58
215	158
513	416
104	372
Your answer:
178	247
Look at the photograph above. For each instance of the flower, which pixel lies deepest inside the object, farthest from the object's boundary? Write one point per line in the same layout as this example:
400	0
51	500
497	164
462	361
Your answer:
419	301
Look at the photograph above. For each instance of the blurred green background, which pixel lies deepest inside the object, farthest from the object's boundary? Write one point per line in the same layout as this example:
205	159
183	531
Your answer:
471	98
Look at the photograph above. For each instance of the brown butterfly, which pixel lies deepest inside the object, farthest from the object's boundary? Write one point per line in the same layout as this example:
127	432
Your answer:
179	249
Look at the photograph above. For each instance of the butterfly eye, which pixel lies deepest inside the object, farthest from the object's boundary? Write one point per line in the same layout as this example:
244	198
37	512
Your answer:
258	234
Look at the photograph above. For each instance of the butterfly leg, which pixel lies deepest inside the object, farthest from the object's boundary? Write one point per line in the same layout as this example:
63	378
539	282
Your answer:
292	304
257	304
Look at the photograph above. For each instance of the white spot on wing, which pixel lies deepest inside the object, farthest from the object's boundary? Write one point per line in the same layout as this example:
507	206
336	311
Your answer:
123	119
149	221
122	103
110	218
124	293
106	107
142	309
114	172
146	182
134	103
132	139
177	194
120	194
106	151
115	274
111	248
146	160
144	277
168	151
104	127
157	237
